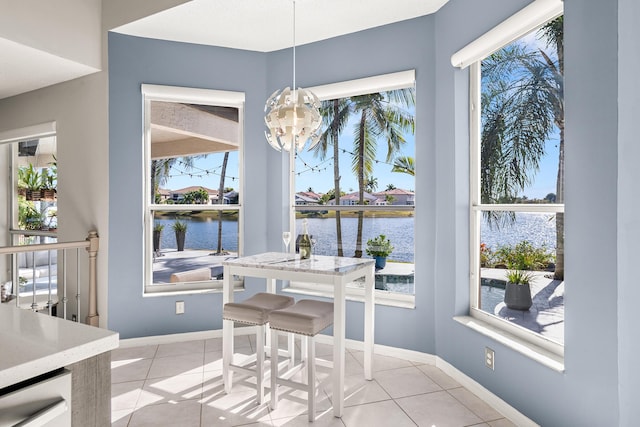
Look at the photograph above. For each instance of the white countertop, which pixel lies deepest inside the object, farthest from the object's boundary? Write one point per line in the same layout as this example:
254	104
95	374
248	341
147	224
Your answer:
32	344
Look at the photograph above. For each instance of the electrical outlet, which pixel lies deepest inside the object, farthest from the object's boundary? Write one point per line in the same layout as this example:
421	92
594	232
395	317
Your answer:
489	358
179	307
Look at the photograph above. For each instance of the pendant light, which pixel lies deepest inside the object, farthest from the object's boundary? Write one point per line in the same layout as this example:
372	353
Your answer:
292	116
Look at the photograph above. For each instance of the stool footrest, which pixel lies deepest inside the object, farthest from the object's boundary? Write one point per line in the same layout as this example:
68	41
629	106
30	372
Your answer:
293	384
244	370
292	371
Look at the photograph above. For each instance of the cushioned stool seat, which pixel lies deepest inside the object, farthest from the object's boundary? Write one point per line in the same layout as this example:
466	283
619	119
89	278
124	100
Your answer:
254	311
307	318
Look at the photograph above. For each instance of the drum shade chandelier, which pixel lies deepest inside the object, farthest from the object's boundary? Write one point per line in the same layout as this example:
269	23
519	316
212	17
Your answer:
292	116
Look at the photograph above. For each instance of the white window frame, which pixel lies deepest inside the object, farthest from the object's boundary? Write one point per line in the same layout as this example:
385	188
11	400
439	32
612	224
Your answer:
380	83
192	96
521	339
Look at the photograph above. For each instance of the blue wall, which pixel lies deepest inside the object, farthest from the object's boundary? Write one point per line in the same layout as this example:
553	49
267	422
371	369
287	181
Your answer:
587	392
132	62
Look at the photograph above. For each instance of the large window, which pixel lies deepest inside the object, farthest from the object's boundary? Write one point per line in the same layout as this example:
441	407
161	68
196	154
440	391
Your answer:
193	186
358	183
517	187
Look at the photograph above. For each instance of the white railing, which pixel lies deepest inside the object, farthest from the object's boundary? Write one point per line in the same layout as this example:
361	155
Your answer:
50	291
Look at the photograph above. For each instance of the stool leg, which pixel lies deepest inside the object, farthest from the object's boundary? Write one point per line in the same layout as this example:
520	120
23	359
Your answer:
260	363
311	377
274	369
227	354
292	350
304	355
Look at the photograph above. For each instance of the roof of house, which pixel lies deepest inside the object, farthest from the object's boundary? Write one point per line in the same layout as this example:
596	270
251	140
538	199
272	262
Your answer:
194	188
394	192
310	194
303	198
356	196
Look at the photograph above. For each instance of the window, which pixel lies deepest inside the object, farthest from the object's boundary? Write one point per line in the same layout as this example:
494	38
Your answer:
193	187
366	158
517	185
33	215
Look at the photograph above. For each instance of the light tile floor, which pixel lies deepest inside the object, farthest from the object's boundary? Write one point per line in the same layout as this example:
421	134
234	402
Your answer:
181	385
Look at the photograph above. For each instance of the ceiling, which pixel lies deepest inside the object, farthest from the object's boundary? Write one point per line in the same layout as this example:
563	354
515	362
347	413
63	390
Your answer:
257	25
23	68
267	25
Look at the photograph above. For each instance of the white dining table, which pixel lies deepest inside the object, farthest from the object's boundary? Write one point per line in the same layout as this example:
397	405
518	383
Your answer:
320	269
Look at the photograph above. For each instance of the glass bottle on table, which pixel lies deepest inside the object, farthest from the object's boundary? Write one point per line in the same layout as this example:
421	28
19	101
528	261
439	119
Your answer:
305	242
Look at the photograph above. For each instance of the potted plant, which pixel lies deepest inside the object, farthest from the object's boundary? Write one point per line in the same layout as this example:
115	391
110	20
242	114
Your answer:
517	293
30	179
380	248
180	228
48	183
157	233
29	218
52	219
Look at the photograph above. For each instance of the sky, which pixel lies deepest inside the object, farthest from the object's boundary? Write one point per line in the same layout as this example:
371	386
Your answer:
545	180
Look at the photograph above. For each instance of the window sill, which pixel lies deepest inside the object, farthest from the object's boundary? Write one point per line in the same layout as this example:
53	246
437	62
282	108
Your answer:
381	297
188	288
537	353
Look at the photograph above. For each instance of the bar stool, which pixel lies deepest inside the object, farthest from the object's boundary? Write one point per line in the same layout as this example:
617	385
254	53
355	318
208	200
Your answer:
254	311
306	318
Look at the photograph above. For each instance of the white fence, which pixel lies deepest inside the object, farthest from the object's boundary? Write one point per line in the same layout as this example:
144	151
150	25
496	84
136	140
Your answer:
48	277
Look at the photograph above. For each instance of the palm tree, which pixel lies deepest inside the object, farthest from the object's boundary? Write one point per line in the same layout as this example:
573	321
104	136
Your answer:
522	104
371	184
382	115
391	186
221	199
404	164
335	115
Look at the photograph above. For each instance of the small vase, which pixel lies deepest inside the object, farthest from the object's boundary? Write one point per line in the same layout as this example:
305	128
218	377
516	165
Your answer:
381	262
156	240
34	195
517	296
48	194
180	235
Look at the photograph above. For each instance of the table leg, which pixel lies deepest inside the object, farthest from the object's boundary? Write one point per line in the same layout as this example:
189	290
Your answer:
227	331
369	310
338	347
270	288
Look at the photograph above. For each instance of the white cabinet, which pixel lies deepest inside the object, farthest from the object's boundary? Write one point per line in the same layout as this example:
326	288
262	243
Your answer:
43	401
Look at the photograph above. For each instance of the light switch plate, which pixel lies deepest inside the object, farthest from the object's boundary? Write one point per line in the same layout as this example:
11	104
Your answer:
489	358
179	307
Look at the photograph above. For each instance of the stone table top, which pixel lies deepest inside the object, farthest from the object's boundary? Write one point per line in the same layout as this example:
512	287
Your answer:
317	264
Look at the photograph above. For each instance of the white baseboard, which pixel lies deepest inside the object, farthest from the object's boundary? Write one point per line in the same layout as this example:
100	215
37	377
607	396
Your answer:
479	390
413	356
182	337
